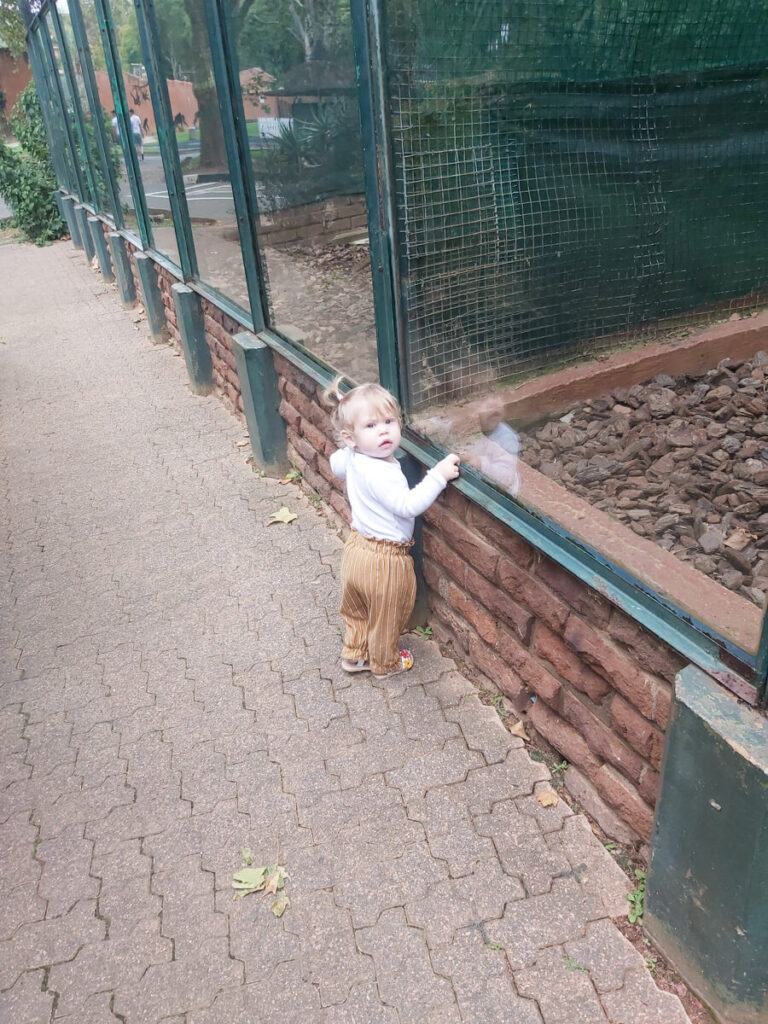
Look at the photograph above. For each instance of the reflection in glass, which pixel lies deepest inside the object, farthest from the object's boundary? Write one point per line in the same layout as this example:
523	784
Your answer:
107	103
582	203
297	76
66	94
200	141
136	85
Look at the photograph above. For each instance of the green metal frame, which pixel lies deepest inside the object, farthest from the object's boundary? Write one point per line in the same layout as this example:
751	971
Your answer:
74	96
229	93
78	182
699	643
57	145
174	179
117	84
97	114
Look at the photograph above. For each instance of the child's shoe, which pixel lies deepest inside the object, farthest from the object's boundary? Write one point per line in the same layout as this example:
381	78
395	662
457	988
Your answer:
406	662
361	665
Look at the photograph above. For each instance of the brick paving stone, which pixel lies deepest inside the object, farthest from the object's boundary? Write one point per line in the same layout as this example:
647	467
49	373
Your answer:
532	924
483	730
20	906
454	904
450	832
522	848
404	971
28	1001
179	986
52	941
438	768
482	982
106	966
171	694
597	872
641	1002
383	880
606	954
562	989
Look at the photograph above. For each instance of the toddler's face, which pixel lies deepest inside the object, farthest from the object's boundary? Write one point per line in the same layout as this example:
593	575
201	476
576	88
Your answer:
374	432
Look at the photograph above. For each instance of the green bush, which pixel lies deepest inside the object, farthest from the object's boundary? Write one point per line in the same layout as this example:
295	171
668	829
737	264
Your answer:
27	181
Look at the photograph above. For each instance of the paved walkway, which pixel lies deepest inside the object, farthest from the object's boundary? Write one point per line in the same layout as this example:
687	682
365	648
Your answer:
170	695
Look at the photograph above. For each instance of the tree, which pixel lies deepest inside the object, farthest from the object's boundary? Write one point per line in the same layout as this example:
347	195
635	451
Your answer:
12	27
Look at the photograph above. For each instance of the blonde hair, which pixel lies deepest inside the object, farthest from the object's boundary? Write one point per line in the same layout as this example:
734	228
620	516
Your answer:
343	405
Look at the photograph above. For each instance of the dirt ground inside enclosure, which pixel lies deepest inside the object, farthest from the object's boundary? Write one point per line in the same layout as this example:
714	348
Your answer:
323	293
320	294
680	460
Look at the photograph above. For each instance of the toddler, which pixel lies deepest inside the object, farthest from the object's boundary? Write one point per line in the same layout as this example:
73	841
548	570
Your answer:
377	577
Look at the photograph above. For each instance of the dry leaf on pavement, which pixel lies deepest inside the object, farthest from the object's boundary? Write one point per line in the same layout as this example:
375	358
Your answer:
518	729
283	515
548	798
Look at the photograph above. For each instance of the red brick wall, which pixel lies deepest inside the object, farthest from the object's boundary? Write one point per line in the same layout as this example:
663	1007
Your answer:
593	684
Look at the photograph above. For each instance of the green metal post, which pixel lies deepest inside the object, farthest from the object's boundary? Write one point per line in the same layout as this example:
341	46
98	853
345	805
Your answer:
226	72
114	70
77	107
100	245
151	298
707	889
45	39
71	218
85	232
261	402
166	136
97	115
371	73
197	355
122	264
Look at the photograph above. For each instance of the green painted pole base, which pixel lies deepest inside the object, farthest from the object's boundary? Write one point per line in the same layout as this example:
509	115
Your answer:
100	245
72	222
85	233
197	355
707	888
261	402
122	264
151	298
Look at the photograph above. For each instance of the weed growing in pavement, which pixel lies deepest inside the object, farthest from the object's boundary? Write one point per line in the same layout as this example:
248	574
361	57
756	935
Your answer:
425	632
493	945
650	963
637	898
572	965
315	500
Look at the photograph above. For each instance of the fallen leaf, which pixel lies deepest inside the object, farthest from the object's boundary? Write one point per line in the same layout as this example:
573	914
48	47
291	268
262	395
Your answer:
243	443
275	880
283	515
280	905
518	729
249	880
548	798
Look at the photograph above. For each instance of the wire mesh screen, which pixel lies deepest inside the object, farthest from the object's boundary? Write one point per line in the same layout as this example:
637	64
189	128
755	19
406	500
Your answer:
571	175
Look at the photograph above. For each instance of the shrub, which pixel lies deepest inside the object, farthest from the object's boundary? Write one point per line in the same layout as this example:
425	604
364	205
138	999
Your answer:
27	181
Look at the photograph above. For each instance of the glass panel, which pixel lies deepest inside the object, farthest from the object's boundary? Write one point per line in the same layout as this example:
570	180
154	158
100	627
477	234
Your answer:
186	63
70	112
60	151
297	73
101	200
144	121
107	102
582	211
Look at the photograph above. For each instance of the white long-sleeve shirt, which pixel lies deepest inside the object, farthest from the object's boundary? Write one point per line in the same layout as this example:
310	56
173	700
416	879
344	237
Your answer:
383	506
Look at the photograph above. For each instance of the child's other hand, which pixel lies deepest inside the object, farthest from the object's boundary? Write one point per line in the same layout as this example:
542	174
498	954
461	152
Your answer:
448	468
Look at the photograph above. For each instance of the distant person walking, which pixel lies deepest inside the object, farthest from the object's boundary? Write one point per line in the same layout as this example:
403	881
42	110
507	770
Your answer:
138	138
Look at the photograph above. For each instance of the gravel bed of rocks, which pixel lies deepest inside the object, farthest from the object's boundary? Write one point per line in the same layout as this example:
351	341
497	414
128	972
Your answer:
680	460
